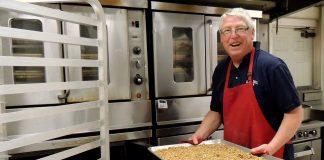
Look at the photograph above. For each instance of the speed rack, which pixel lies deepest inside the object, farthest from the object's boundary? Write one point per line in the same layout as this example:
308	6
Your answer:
33	7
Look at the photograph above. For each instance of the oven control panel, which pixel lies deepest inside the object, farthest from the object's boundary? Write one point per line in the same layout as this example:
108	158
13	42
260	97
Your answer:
307	134
138	59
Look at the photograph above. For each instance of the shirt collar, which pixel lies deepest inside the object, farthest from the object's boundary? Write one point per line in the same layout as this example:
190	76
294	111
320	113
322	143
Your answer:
245	61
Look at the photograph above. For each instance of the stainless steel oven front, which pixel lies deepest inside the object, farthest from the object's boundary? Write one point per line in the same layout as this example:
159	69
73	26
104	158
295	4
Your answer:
185	55
126	54
182	66
307	141
186	50
28	48
129	104
179	54
127	60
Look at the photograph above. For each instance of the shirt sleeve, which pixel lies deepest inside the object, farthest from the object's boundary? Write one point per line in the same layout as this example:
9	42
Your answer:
283	91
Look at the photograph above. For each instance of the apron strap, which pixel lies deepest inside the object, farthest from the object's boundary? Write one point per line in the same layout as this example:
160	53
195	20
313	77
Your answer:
250	71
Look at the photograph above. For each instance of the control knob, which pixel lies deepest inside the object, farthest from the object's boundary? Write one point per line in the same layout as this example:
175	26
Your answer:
305	134
137	50
299	134
138	79
313	132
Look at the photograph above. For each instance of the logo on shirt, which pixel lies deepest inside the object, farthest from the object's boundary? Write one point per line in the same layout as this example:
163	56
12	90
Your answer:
255	82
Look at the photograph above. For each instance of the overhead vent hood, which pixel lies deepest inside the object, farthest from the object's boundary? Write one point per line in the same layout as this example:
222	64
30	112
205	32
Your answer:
274	8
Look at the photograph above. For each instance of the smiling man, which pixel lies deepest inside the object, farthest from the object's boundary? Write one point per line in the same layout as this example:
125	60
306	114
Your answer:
254	95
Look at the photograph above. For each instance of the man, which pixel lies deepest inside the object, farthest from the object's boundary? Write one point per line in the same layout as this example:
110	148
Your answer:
253	93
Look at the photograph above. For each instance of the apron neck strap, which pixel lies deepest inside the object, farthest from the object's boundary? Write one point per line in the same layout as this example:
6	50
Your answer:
250	71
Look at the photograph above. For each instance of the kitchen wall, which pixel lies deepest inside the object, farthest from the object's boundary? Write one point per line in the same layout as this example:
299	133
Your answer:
302	55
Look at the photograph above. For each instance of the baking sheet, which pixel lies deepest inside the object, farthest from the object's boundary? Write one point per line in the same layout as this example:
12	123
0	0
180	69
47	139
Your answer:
215	141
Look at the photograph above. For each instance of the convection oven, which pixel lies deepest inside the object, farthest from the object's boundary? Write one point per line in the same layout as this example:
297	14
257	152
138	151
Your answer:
130	114
127	74
307	141
28	48
186	50
126	54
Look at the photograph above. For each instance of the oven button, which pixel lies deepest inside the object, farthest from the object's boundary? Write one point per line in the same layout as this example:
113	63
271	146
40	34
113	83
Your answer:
138	79
305	134
299	134
137	50
313	132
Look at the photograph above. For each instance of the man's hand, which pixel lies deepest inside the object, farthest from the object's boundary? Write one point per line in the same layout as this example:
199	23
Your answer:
195	139
262	149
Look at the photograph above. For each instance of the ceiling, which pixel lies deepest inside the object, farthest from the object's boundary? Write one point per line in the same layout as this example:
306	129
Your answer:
274	8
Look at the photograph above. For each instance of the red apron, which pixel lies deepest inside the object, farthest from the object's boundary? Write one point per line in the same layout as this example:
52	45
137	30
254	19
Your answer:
244	123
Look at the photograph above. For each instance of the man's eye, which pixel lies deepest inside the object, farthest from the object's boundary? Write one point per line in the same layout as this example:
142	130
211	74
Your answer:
226	31
240	29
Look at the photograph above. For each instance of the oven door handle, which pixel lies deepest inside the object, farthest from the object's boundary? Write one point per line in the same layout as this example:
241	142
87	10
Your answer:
309	151
209	56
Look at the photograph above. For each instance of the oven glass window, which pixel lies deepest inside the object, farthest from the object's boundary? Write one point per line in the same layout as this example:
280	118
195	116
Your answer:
27	48
221	53
89	52
182	54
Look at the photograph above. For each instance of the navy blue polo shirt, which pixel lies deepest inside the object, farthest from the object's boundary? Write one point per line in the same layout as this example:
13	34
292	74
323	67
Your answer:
273	85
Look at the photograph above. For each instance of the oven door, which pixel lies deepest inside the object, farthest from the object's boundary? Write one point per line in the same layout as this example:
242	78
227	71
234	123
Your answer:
118	57
28	48
308	150
214	49
179	54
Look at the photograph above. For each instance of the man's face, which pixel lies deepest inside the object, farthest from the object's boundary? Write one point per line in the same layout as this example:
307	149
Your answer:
236	37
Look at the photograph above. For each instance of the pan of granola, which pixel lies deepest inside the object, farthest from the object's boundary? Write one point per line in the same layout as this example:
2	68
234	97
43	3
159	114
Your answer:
217	149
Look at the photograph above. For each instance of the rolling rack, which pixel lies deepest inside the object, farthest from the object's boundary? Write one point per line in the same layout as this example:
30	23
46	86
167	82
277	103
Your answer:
31	7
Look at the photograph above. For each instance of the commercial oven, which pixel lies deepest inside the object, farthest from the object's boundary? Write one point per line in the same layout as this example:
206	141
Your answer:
126	54
308	141
129	104
28	48
186	50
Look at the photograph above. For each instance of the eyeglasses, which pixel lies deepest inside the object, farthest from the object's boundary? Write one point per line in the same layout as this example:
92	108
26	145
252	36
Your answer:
239	30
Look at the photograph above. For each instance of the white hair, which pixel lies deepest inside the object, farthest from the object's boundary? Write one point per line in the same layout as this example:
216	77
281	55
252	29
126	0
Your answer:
238	12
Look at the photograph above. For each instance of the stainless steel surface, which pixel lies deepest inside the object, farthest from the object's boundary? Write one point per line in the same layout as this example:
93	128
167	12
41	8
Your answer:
137	54
125	3
309	150
173	139
130	135
183	133
307	112
174	131
307	141
212	47
72	142
182	110
119	87
28	48
216	141
126	30
35	37
197	9
310	96
122	115
174	80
